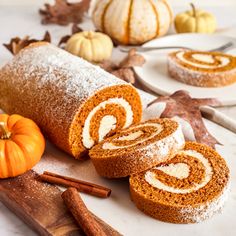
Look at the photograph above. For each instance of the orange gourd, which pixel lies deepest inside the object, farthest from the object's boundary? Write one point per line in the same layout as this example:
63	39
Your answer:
21	145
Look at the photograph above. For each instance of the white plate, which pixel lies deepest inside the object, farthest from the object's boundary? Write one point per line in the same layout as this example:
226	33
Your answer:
154	73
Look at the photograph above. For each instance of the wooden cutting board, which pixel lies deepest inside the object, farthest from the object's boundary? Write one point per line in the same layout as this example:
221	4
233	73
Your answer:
41	207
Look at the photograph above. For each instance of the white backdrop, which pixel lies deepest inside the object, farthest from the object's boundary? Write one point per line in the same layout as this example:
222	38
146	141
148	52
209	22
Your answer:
204	2
173	2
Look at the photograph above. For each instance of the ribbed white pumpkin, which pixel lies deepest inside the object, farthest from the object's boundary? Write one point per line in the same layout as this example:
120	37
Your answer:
132	21
92	46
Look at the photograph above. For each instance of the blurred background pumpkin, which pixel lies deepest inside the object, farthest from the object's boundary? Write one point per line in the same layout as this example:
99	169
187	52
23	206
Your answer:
90	45
195	21
132	21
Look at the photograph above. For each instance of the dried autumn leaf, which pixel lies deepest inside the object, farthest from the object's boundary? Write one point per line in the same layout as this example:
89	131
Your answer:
16	44
132	59
124	70
76	29
126	74
63	12
108	66
180	104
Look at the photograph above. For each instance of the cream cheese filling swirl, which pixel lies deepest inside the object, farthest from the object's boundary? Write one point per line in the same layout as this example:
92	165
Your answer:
144	133
107	123
203	60
181	171
135	136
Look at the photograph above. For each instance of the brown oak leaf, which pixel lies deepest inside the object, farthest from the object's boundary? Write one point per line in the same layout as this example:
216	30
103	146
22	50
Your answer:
63	12
124	70
182	105
16	44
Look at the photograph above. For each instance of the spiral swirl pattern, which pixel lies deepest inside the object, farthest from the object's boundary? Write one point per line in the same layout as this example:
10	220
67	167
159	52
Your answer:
137	148
107	121
202	69
173	171
205	60
190	187
136	135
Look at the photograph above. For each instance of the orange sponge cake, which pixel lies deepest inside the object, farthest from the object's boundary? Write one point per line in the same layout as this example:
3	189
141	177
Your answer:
189	188
137	148
202	69
75	103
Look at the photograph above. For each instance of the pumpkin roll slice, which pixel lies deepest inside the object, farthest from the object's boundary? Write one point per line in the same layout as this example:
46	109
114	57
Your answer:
189	188
202	69
137	148
75	103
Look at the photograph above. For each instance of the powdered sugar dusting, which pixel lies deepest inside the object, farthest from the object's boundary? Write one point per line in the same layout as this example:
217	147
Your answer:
65	70
206	211
163	147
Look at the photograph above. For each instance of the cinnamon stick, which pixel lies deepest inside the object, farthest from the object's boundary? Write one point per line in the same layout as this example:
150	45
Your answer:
81	213
82	186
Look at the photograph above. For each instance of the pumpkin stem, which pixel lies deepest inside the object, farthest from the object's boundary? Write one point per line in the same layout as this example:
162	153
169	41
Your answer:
4	133
90	35
193	9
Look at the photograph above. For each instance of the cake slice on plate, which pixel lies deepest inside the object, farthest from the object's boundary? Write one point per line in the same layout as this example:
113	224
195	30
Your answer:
202	69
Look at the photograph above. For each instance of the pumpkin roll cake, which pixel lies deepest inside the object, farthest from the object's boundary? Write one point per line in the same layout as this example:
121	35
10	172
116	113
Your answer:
189	188
202	69
137	148
75	103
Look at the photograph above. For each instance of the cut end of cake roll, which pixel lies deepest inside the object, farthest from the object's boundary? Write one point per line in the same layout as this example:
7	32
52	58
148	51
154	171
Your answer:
189	188
75	103
202	69
103	114
137	148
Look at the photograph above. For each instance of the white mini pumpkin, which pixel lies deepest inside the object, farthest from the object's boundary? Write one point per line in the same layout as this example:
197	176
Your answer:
132	21
92	46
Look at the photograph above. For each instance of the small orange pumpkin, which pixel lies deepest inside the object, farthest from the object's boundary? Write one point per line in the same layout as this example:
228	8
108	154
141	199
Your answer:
21	145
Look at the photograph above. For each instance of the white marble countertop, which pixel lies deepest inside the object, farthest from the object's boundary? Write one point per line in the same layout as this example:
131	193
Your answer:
19	18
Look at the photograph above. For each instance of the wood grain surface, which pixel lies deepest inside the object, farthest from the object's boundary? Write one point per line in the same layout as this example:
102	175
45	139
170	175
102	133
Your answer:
41	207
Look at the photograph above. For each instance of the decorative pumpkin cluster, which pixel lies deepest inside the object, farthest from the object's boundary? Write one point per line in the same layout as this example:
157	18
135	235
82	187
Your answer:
126	24
130	22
